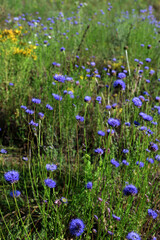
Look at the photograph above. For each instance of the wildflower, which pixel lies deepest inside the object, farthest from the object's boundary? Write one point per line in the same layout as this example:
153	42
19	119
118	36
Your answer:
115	163
3	151
116	218
76	227
41	115
153	146
127	124
125	151
62	49
121	75
108	107
24	158
141	98
125	162
96	217
114	105
110	233
148	60
64	200
110	131
81	119
119	83
136	123
157	157
101	133
89	185
114	122
150	160
152	213
130	190
141	164
15	193
157	99
87	99
24	107
29	111
151	72
50	183
49	107
99	150
33	123
57	97
143	128
11	84
59	78
137	102
51	167
11	176
98	99
36	100
145	116
133	236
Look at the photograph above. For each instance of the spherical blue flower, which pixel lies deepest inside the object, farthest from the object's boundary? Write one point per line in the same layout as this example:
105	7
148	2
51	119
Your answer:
81	119
89	185
115	217
15	193
29	111
141	98
151	72
152	213
150	160
62	49
25	158
101	133
11	176
110	131
41	115
108	107
93	64
23	107
145	116
33	123
157	157
143	128
3	151
59	78
87	99
50	183
125	162
141	164
115	163
119	83
125	151
36	100
148	60
153	146
51	167
49	107
110	233
137	102
114	122
114	105
121	75
99	99
99	151
157	99
127	124
130	190
133	236
76	227
57	97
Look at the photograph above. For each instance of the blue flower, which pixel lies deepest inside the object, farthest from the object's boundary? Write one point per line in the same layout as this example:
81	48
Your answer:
133	236
33	123
150	160
121	75
81	119
137	102
76	227
99	99
157	157
36	100
23	107
114	122
125	162
110	131
16	193
119	83
115	217
51	167
49	107
108	107
114	162
11	176
59	78
99	151
50	183
125	151
87	99
130	190
29	111
62	49
41	115
64	200
3	151
127	124
141	164
89	185
145	116
153	146
152	213
57	97
101	133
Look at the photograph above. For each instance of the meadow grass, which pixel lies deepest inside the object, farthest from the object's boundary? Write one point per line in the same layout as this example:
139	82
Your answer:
53	55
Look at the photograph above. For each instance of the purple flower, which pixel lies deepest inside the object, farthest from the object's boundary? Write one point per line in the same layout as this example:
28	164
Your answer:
76	227
99	99
114	122
33	123
110	233
99	151
49	107
36	100
157	157
127	124
133	236
137	102
150	160
64	200
62	49
41	115
24	107
145	116
153	146
89	185
115	163
59	78
125	151
87	99
141	164
130	190
148	60
119	83
57	97
11	176
51	167
121	75
81	119
50	183
116	218
110	131
3	151
125	162
15	193
152	213
108	107
101	133
29	111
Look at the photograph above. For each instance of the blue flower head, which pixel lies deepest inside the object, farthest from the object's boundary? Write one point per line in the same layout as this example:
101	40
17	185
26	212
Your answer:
130	190
57	97
114	122
50	183
116	218
36	100
11	176
99	151
119	83
15	193
59	78
89	185
76	227
133	236
152	213
51	167
101	133
87	99
137	102
115	163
